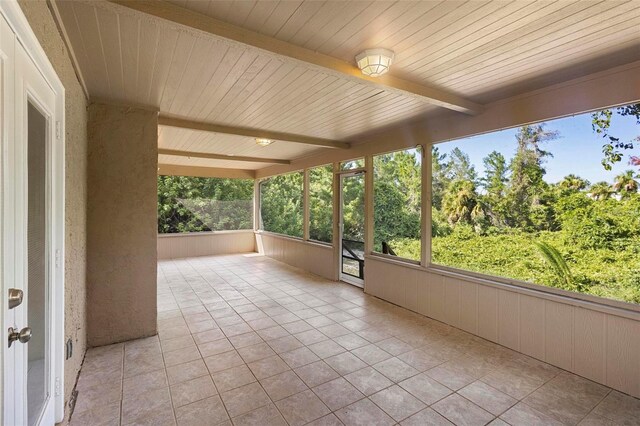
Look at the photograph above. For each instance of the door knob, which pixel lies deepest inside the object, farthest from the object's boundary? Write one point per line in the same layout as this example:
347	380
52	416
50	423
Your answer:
23	336
15	297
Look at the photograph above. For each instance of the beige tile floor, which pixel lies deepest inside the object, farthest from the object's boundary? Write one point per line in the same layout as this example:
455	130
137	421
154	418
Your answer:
246	340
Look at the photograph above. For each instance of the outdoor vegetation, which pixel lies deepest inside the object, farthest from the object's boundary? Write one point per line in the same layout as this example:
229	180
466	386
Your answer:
397	183
194	204
281	204
321	203
511	222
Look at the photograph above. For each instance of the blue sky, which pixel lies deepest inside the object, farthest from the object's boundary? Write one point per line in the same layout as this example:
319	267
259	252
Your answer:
578	150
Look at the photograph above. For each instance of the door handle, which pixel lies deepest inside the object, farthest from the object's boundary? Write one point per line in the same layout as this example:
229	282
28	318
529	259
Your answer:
23	336
15	297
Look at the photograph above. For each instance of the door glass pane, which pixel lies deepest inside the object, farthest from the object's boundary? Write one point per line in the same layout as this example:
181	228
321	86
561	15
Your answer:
37	293
353	225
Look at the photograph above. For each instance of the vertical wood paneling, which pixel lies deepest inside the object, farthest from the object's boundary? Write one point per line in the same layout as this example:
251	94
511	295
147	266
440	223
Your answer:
469	307
400	276
423	293
488	313
371	280
437	299
559	334
589	344
411	291
452	301
532	328
623	355
509	319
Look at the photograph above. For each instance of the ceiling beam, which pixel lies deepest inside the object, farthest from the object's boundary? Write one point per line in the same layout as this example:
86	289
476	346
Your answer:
177	153
174	170
338	67
164	120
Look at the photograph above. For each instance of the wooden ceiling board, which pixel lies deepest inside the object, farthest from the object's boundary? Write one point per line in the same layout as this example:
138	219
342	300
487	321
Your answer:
481	50
506	45
455	38
297	20
627	23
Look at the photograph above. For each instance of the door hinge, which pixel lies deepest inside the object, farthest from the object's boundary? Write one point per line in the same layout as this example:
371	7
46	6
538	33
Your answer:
57	386
58	255
58	130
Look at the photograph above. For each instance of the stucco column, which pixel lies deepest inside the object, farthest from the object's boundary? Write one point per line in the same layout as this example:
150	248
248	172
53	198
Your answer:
121	223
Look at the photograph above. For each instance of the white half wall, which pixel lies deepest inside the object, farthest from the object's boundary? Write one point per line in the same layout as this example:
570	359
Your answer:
313	257
176	246
586	339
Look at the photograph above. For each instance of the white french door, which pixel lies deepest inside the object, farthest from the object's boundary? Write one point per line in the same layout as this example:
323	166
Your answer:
31	236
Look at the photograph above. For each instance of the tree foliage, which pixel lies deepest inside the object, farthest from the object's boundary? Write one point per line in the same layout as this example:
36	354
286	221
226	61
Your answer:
195	204
281	204
512	223
613	149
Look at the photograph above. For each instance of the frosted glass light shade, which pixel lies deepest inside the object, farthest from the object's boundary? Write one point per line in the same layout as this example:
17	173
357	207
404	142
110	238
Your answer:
264	141
374	62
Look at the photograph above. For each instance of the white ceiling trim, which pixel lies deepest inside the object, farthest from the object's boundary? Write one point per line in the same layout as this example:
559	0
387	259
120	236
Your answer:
228	157
168	121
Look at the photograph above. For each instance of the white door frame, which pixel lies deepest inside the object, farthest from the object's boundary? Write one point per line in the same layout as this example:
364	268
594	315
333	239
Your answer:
24	35
358	282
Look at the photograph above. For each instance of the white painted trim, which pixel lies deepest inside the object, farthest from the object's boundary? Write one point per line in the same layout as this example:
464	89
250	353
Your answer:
610	306
306	218
284	236
204	233
312	243
12	12
352	280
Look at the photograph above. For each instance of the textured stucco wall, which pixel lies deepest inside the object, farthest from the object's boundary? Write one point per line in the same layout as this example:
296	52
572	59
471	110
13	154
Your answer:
43	25
121	223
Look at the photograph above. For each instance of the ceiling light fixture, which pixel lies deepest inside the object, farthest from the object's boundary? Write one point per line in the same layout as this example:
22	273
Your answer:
264	141
375	62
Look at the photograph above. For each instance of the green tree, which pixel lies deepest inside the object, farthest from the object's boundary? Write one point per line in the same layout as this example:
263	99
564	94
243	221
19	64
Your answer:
613	149
526	184
439	177
321	203
397	197
194	204
573	183
460	203
459	166
601	191
495	185
625	183
281	204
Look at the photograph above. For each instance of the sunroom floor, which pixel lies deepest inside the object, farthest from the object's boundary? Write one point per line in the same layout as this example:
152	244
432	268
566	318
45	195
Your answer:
247	340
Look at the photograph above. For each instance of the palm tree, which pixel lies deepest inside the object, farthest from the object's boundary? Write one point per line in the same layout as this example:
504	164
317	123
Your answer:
601	191
573	183
625	183
552	256
460	201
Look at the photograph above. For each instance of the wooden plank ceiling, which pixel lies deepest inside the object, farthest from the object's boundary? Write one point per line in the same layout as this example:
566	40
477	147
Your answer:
482	51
